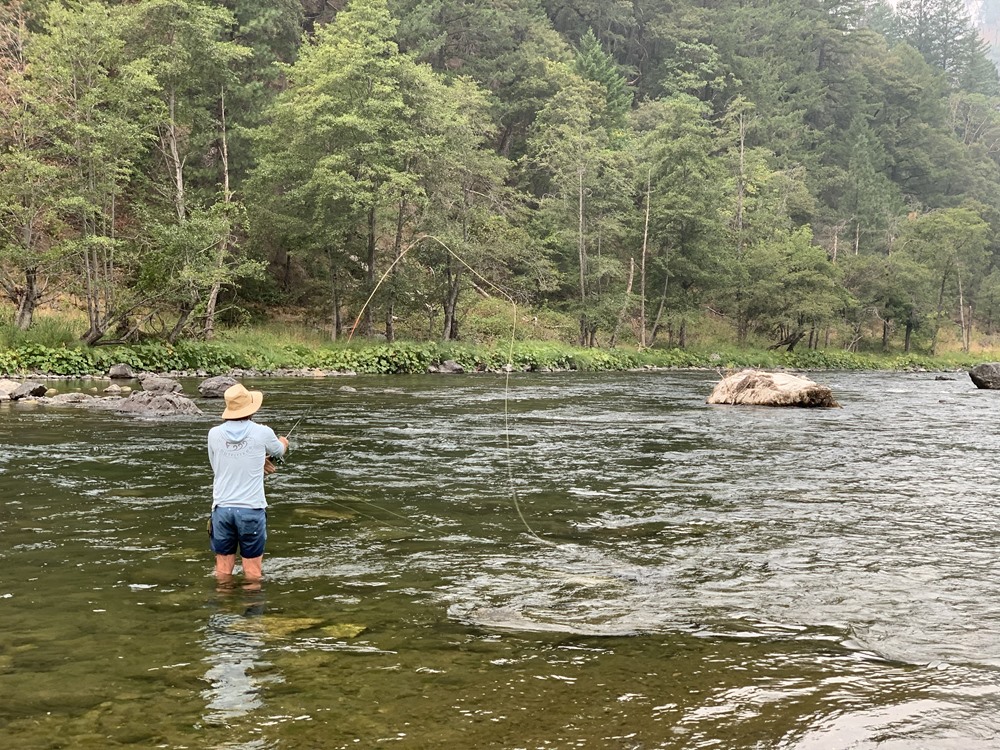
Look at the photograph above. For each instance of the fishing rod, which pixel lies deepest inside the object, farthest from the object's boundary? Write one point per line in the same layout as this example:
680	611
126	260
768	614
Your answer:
278	460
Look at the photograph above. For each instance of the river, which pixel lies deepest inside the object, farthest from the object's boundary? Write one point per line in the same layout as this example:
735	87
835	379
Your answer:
614	564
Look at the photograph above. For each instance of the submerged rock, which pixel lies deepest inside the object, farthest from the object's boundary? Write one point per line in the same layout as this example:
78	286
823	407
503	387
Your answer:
758	388
71	398
276	626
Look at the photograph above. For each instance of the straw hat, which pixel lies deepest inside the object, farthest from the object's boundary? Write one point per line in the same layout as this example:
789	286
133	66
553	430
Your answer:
240	402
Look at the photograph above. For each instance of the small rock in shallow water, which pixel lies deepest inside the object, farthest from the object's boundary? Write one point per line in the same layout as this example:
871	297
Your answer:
345	630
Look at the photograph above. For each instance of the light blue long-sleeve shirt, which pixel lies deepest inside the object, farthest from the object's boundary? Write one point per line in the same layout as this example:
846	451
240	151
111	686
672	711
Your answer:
236	450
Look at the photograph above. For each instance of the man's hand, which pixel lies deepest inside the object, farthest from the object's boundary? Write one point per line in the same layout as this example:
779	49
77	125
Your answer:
284	442
269	467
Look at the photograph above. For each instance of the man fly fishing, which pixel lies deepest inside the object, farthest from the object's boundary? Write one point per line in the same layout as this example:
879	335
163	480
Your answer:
240	451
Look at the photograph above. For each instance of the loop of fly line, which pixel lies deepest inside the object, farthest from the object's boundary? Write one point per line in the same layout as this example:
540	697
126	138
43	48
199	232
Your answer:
507	369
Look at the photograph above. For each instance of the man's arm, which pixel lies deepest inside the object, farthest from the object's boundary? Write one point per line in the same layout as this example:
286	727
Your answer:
276	447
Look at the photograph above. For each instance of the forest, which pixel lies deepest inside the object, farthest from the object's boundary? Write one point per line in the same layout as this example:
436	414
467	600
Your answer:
626	172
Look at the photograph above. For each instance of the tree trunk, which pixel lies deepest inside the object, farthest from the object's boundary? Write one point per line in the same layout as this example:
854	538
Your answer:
97	328
334	298
940	308
397	251
27	299
964	320
642	266
581	246
453	274
338	324
621	313
176	161
369	324
741	186
223	251
185	314
659	311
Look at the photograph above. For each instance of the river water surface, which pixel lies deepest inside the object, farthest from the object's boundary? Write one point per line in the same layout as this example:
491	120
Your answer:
638	570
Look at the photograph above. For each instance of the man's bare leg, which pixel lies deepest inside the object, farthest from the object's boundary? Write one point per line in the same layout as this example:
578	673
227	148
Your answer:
224	565
253	568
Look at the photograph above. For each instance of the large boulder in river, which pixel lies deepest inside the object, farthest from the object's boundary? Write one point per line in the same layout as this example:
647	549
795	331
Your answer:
986	375
147	404
757	388
216	387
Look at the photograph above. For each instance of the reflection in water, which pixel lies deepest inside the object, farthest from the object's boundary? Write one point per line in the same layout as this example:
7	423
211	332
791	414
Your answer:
235	645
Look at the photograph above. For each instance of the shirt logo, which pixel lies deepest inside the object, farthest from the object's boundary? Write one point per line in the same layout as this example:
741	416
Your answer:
237	447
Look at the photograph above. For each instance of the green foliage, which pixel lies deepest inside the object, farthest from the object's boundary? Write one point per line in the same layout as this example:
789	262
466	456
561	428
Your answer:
502	144
416	358
51	331
594	64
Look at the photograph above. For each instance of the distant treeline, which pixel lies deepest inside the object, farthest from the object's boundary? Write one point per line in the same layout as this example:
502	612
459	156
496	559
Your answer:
823	171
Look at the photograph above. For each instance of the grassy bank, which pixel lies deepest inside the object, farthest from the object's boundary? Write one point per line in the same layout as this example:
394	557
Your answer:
273	354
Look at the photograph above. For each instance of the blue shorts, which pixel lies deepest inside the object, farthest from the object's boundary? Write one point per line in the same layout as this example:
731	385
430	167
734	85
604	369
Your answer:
245	528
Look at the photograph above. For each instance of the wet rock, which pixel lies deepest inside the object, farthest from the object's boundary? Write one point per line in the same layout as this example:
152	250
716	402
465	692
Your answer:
121	370
27	389
757	388
113	390
148	404
276	626
157	385
8	386
986	376
71	398
217	386
448	367
343	630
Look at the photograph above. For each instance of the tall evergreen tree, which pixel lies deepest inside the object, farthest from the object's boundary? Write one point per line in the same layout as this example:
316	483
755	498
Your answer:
943	32
594	65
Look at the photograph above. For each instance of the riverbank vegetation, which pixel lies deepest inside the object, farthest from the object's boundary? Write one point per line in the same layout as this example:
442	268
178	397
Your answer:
51	349
650	184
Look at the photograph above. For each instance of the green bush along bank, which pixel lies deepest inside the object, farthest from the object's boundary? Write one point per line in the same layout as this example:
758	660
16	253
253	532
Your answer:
212	358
